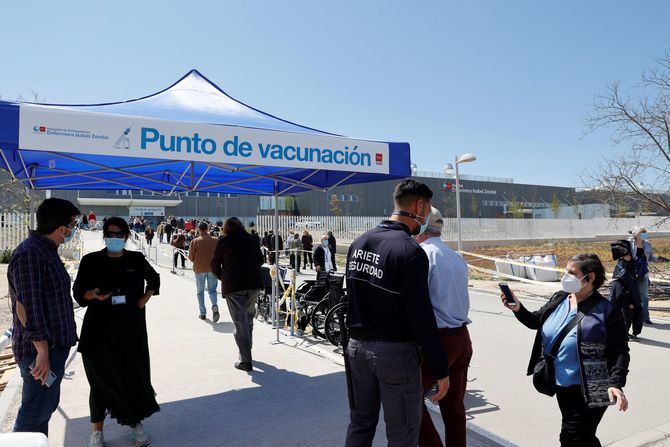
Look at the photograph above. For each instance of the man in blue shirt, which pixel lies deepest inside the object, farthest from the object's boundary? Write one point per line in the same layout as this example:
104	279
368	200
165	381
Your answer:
44	327
448	288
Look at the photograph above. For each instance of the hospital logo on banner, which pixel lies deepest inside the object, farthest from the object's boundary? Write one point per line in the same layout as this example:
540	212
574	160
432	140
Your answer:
39	129
379	158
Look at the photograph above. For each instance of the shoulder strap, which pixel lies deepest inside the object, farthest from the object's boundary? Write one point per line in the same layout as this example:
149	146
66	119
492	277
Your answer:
564	332
570	326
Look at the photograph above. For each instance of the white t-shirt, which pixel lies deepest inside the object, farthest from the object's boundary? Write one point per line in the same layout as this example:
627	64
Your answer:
328	262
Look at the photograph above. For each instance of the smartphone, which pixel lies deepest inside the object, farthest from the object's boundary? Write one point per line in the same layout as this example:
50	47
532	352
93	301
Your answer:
51	377
504	288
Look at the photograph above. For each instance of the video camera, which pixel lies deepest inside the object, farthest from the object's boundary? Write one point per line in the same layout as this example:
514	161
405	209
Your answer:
620	249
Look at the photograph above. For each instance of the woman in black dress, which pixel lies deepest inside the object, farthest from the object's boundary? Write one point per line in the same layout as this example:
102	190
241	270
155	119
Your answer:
113	342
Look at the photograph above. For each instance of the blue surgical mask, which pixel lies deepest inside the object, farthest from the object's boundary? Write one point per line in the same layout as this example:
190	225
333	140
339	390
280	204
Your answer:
324	243
423	226
644	236
67	239
114	244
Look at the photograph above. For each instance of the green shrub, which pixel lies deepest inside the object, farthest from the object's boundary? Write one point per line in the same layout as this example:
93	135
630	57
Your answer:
5	256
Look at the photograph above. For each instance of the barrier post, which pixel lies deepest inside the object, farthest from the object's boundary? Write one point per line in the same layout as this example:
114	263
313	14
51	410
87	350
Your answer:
291	300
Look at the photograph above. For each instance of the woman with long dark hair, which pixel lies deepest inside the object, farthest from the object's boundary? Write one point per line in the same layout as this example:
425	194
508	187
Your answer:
590	362
115	286
237	263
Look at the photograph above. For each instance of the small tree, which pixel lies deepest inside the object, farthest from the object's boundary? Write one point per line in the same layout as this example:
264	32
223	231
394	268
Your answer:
515	208
474	205
335	205
555	206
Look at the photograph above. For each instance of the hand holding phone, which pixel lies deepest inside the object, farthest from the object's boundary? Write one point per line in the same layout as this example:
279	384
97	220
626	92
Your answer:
97	294
48	380
508	298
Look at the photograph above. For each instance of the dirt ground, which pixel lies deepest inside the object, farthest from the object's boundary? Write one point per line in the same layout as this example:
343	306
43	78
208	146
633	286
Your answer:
565	250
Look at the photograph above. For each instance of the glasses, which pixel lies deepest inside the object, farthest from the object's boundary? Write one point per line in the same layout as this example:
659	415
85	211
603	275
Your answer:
116	234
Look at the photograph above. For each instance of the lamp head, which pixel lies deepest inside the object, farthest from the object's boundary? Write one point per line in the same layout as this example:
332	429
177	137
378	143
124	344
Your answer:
466	158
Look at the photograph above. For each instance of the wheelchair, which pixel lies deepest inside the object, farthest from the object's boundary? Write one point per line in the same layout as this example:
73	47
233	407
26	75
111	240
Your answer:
334	292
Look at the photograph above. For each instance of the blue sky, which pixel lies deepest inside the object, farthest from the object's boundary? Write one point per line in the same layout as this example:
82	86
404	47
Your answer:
510	81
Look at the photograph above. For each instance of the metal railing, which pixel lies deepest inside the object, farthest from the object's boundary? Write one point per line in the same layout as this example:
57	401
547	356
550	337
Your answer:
14	228
472	178
147	250
347	228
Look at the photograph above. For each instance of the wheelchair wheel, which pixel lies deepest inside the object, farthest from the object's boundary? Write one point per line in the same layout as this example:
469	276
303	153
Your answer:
318	318
263	307
335	320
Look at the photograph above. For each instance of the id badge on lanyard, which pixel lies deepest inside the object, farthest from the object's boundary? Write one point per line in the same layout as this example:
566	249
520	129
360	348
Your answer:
118	299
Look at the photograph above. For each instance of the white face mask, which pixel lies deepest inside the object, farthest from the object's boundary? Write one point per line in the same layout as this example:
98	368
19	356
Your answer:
571	283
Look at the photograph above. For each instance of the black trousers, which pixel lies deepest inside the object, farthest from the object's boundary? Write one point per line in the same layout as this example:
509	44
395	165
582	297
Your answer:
183	259
305	255
294	259
633	319
579	424
388	375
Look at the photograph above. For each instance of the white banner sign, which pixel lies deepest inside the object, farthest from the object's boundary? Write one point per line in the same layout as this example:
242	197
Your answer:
146	211
63	130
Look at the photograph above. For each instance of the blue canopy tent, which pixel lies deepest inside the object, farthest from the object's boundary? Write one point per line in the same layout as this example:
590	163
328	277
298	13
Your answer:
191	136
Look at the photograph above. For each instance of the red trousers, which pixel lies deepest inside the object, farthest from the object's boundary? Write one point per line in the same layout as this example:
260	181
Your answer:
458	347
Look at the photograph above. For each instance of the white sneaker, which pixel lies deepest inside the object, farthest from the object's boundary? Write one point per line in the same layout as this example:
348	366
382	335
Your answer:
96	439
140	437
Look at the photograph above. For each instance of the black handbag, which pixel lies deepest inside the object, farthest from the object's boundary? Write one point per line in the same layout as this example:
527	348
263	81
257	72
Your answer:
544	377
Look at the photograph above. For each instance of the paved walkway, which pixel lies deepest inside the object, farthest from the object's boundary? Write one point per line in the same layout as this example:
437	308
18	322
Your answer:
294	397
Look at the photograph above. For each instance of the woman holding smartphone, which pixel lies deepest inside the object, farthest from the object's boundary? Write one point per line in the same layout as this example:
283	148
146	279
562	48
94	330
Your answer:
592	360
113	341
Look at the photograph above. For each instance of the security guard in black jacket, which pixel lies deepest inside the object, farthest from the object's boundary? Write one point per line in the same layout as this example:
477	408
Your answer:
391	324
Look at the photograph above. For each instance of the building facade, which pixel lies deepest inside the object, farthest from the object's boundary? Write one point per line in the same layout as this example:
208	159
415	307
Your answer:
480	197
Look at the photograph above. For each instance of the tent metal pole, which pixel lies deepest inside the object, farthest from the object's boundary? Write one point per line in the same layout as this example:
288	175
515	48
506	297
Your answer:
179	181
9	168
201	177
118	170
25	169
30	208
275	226
302	180
31	204
342	181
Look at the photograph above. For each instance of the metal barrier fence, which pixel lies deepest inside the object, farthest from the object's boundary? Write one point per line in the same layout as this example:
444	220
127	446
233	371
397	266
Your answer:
347	228
149	251
14	229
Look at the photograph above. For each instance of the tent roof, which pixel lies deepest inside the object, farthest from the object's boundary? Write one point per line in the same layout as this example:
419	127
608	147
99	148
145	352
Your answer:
60	146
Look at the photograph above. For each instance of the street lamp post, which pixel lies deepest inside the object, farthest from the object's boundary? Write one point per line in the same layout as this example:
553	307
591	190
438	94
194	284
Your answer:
465	158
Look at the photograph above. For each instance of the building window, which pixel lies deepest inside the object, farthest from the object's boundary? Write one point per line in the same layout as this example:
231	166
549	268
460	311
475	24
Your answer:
283	203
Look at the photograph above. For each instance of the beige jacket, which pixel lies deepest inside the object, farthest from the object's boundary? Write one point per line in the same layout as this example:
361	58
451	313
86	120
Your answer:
201	253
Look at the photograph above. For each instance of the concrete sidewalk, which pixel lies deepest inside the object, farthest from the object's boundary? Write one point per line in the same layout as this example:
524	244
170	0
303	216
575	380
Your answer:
294	396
